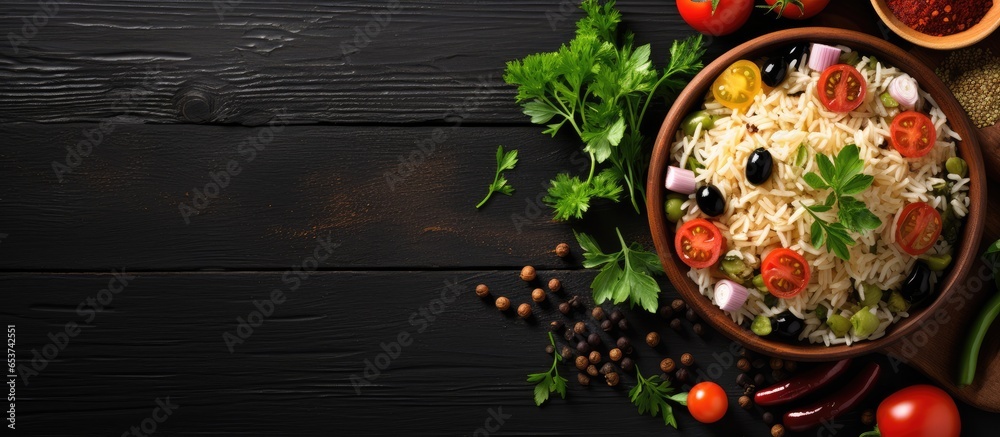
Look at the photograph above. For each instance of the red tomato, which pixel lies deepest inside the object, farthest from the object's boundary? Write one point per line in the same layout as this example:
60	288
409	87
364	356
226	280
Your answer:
797	9
912	134
727	17
699	243
919	411
707	402
785	273
917	228
842	88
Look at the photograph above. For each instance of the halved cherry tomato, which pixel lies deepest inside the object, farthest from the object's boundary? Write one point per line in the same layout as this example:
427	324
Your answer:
707	402
912	134
728	16
917	228
841	88
736	87
785	273
699	243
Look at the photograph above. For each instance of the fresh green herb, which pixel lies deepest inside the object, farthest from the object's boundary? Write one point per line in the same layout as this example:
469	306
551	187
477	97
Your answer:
505	161
780	5
872	433
715	5
651	394
634	282
802	155
600	85
842	175
548	382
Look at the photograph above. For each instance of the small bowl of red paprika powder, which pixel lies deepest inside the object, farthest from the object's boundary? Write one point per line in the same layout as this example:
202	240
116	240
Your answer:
940	24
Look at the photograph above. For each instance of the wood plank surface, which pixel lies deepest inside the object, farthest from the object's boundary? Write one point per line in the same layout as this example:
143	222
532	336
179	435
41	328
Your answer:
162	336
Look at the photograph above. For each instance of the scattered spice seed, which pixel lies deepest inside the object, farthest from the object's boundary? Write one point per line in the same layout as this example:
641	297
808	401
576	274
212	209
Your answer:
743	364
791	366
759	363
675	324
562	250
574	301
743	380
580	328
759	380
612	379
598	313
583	379
595	357
594	340
569	335
607	326
687	359
667	365
592	370
745	402
538	295
628	365
624	344
691	315
607	368
777	431
582	362
582	347
666	312
549	349
502	303
564	308
566	353
524	310
616	316
557	326
698	329
623	325
972	75
653	339
615	354
776	363
528	274
682	374
482	290
768	418
868	417
555	285
678	305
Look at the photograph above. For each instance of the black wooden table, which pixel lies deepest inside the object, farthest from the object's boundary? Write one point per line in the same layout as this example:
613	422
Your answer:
215	215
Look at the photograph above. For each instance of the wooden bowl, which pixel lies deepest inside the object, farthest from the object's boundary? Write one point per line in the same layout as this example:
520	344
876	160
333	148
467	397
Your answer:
692	98
965	38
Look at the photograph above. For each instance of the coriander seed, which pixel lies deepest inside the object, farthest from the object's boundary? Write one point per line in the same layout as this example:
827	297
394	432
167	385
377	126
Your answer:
612	379
615	354
555	285
580	328
628	365
502	303
538	295
482	290
528	274
583	379
556	326
549	349
566	352
597	313
667	365
524	310
745	402
595	357
564	308
592	370
562	250
581	362
678	306
653	339
687	359
743	364
777	431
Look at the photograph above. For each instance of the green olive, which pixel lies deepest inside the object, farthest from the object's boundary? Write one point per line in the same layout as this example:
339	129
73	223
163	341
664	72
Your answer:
839	325
821	312
703	118
873	294
897	303
864	323
937	263
956	165
673	207
761	325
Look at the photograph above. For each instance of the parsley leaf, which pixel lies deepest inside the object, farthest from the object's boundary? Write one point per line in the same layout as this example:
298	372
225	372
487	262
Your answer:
616	282
570	197
844	176
550	381
505	161
651	394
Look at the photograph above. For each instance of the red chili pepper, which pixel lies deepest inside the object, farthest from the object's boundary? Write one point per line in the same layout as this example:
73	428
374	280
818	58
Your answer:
836	404
802	384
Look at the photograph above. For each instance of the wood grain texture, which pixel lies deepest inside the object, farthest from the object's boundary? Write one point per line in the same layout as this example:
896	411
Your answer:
177	61
162	336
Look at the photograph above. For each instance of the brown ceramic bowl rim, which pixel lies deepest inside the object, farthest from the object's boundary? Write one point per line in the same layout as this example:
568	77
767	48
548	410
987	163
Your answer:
692	97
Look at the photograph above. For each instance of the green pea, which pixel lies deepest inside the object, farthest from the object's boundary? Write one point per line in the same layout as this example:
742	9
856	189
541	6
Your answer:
897	303
956	165
673	209
888	101
821	312
839	325
761	325
864	323
758	283
703	118
873	294
937	263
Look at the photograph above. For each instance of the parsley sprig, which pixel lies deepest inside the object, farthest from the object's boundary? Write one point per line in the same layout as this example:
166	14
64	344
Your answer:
651	394
634	282
548	382
505	161
600	85
843	176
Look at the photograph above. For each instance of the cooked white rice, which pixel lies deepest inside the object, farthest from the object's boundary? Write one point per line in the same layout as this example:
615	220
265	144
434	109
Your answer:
759	219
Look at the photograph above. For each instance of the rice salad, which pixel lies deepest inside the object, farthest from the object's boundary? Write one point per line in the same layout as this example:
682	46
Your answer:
721	151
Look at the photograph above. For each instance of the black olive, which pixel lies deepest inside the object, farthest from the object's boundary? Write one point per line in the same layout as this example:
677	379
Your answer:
710	200
774	71
793	55
759	166
917	287
787	325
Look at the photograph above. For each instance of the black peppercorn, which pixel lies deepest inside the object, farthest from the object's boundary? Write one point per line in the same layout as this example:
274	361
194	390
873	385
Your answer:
691	315
607	326
678	306
666	312
564	308
623	325
616	316
575	302
592	370
549	349
628	365
743	380
759	363
557	326
597	313
607	368
698	329
566	352
582	362
583	379
675	324
743	364
682	374
594	340
768	418
623	344
582	347
612	379
759	380
580	328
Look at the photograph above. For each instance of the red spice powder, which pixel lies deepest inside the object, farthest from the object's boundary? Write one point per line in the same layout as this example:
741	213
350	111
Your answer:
940	17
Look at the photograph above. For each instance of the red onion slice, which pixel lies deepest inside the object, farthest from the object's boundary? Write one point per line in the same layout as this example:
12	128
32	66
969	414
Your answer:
905	91
680	180
823	56
729	295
